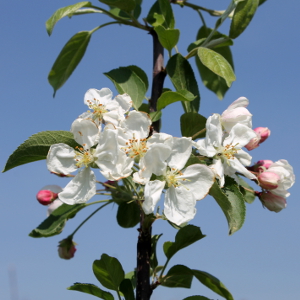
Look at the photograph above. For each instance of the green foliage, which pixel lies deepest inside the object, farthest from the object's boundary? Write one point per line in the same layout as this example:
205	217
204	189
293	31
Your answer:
217	64
192	123
92	290
196	298
127	289
109	272
178	276
127	5
249	196
242	16
63	12
167	37
55	223
128	214
168	98
232	203
131	80
184	237
37	147
211	80
155	115
161	13
68	59
182	76
153	258
132	276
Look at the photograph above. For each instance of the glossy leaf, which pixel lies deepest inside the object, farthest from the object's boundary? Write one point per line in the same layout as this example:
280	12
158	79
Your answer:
128	214
161	13
168	98
132	277
127	5
54	224
109	272
155	115
37	147
192	123
178	276
242	16
231	201
124	15
167	37
213	283
248	196
63	12
127	289
196	298
184	237
217	64
92	290
68	59
128	81
153	258
182	76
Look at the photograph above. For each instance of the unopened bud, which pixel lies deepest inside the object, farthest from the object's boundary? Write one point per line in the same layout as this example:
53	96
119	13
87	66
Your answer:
110	182
262	133
265	163
268	180
66	248
272	202
48	194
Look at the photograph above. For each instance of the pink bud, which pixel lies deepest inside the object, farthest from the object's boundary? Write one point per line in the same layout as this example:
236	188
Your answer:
48	194
66	248
264	133
272	202
268	180
254	143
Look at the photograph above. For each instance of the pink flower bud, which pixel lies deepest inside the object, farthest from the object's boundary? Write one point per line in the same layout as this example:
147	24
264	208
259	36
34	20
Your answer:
254	143
272	202
268	180
48	194
66	248
264	133
261	163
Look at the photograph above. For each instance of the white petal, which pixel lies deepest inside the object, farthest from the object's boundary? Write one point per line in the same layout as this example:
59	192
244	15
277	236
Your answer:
181	151
240	135
153	190
218	169
160	137
80	189
244	157
125	102
60	159
85	132
113	117
102	96
234	165
53	206
240	102
179	205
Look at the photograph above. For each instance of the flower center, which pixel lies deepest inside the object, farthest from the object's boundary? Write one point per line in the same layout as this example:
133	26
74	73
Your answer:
83	157
228	151
172	178
135	147
98	109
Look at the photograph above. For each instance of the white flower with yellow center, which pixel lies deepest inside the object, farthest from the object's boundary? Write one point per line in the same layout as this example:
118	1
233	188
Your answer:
104	109
183	187
228	157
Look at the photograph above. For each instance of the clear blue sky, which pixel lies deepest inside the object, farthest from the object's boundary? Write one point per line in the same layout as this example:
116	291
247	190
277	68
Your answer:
259	262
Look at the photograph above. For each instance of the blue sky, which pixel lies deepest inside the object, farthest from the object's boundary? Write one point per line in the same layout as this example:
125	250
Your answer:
261	261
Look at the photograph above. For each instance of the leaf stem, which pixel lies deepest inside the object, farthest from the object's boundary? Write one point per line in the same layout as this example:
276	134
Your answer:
198	133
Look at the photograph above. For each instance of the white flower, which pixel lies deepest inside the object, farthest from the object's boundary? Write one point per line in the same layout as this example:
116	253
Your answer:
228	157
184	187
236	113
104	108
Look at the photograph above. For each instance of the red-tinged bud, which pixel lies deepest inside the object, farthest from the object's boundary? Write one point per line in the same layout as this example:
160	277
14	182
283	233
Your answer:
264	133
48	194
66	248
272	202
261	163
268	180
110	182
254	143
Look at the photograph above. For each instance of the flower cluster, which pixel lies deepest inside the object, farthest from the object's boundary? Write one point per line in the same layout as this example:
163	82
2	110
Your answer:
118	141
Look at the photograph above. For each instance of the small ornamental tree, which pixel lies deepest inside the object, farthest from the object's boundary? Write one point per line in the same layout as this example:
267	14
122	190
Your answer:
118	138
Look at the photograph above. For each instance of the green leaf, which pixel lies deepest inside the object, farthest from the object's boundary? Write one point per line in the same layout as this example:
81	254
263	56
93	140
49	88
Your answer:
217	64
54	224
211	80
127	5
196	298
92	290
37	147
132	276
192	123
231	201
68	59
183	78
63	12
184	237
213	283
242	16
248	196
124	15
167	37
127	289
145	108
155	115
153	258
128	81
128	214
262	1
168	98
109	272
161	13
141	74
178	276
